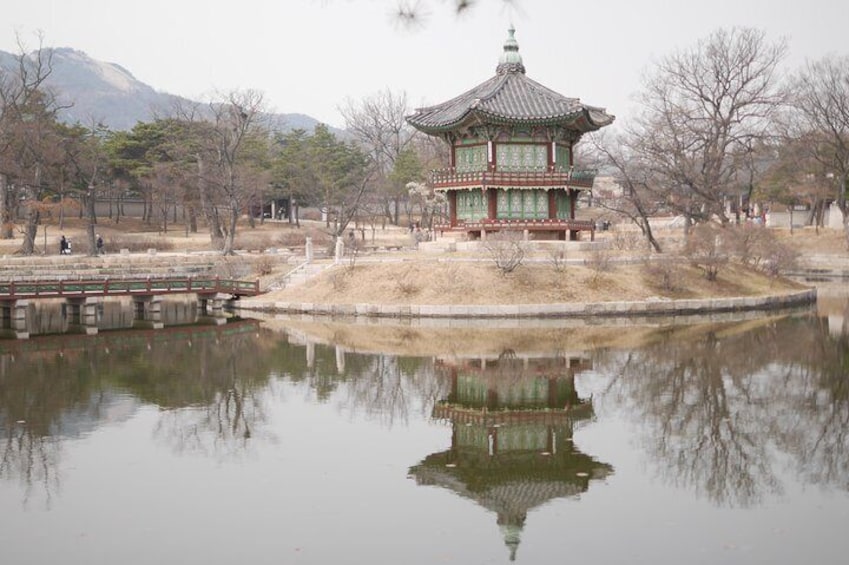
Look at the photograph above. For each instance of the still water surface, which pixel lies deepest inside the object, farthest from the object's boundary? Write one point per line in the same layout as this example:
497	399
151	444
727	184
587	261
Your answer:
288	441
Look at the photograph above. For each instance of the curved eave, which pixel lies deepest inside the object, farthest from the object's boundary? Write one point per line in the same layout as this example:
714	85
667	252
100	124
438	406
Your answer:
585	119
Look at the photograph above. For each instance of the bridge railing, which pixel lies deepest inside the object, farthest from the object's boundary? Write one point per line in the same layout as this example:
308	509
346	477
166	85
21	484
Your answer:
15	290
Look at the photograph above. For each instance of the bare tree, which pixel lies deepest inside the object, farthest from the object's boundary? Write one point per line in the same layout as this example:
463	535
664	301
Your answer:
701	108
821	100
378	122
795	176
27	115
235	121
636	201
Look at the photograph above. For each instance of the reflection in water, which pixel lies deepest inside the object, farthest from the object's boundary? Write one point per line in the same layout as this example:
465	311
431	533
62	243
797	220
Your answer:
511	444
53	315
714	406
65	386
722	410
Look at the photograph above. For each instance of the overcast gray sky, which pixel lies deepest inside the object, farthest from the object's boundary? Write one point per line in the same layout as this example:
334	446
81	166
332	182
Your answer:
308	56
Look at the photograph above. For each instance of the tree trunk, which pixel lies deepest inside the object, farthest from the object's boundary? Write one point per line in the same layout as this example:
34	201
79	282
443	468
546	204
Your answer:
210	213
6	220
92	220
193	218
230	239
30	230
30	223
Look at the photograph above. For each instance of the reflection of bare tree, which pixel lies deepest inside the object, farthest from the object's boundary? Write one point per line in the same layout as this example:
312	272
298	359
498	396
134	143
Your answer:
381	386
816	400
229	405
223	428
41	401
715	404
211	392
388	388
30	458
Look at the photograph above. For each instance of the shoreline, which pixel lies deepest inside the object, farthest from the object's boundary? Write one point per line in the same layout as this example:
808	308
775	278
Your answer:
658	307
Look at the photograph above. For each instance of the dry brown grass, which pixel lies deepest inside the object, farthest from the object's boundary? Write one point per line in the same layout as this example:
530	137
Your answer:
478	283
423	279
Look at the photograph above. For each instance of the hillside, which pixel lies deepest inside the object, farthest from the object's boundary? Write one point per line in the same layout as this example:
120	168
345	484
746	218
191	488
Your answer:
92	91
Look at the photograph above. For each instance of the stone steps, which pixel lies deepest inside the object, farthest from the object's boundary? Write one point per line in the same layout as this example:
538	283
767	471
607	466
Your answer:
300	275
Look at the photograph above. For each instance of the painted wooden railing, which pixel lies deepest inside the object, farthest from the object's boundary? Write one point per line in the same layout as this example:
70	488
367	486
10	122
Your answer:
534	225
16	290
448	178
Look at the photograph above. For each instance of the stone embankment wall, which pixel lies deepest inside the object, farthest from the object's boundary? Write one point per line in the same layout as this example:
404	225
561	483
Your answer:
118	265
651	307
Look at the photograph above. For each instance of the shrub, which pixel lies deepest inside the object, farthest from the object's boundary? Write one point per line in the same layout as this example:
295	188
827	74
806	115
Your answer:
407	285
340	279
115	243
781	257
232	267
264	265
627	240
292	238
759	248
664	273
706	248
557	256
252	241
507	249
599	260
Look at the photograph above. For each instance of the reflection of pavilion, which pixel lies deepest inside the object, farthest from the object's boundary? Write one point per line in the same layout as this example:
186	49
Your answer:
511	444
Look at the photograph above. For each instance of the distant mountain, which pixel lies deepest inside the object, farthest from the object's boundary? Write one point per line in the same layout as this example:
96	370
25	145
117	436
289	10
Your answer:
109	94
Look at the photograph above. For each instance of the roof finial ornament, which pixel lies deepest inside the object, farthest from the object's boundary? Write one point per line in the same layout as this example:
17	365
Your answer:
510	61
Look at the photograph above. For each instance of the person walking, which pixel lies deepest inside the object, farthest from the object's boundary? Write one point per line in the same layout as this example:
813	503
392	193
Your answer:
99	244
63	245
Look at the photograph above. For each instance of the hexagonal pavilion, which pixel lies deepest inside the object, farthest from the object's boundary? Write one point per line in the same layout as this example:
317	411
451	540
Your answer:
511	164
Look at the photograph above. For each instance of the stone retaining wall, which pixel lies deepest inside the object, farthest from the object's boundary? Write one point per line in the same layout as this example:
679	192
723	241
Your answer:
651	307
118	265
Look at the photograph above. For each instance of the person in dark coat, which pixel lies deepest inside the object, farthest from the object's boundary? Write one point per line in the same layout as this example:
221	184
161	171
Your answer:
63	245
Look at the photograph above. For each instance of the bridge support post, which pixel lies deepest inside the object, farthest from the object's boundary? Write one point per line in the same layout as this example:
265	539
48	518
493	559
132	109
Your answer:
14	318
211	304
82	313
148	312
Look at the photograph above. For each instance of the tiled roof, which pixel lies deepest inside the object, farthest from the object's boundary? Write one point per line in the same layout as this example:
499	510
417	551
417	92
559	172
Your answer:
510	97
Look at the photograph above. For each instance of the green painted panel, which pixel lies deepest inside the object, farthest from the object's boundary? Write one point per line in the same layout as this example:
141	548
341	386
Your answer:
470	158
471	205
521	156
471	391
562	157
522	204
564	205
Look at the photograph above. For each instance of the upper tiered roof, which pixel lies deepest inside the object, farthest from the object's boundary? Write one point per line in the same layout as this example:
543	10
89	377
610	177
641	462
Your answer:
510	97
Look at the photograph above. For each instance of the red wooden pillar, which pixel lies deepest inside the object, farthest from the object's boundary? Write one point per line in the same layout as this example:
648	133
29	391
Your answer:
452	208
491	203
573	201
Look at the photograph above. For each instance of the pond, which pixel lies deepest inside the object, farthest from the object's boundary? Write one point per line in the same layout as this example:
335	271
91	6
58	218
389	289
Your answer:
706	440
